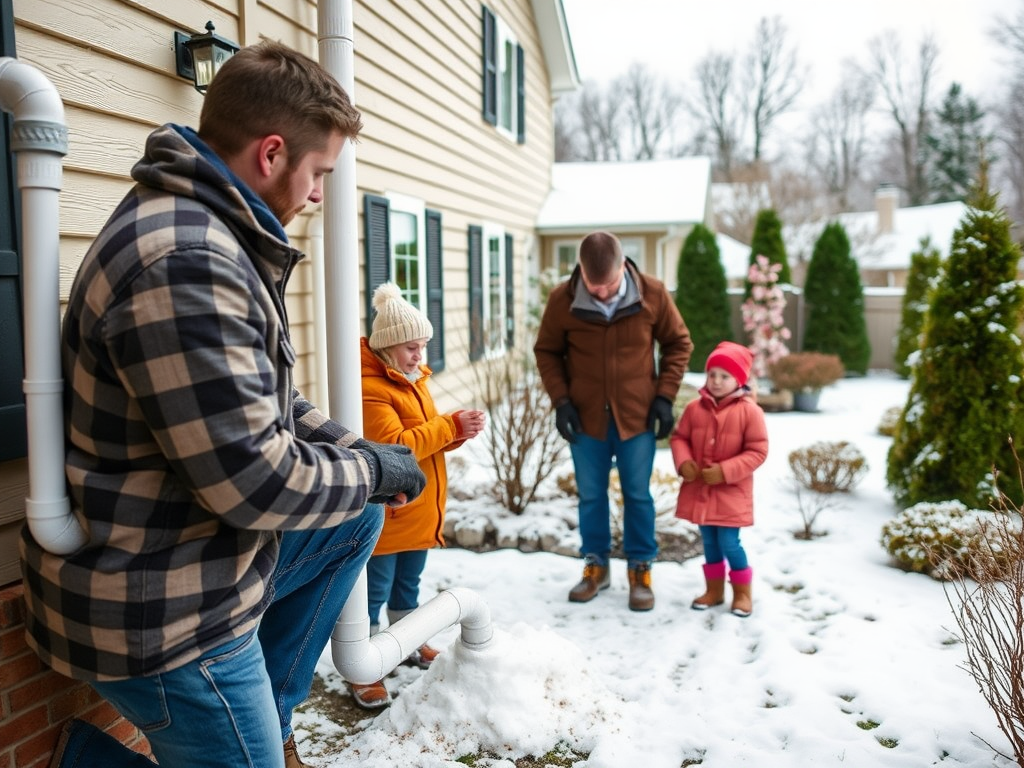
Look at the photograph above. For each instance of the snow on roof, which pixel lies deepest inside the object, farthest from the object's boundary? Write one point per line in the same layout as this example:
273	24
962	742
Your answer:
874	250
651	193
735	257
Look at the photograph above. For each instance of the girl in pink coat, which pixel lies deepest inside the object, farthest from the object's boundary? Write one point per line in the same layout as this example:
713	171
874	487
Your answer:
719	441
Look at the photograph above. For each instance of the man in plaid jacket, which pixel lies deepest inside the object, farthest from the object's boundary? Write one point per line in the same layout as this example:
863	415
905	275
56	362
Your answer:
227	518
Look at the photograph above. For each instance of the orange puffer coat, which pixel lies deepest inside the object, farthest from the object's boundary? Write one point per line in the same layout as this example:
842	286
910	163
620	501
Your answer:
396	410
731	433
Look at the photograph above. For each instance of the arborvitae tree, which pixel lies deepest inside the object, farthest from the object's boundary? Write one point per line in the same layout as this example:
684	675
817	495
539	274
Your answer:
835	300
955	143
767	241
701	293
966	399
924	268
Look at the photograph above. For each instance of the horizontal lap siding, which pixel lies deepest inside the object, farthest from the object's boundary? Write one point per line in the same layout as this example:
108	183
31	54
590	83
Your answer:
418	83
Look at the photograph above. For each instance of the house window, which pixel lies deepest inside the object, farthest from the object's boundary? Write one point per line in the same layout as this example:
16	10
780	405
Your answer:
633	249
565	258
403	244
491	329
504	95
12	400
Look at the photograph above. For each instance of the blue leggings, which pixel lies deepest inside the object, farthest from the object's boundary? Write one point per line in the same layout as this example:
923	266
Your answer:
723	543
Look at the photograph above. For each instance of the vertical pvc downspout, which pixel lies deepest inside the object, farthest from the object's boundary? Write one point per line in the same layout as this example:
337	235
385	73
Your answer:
40	140
358	657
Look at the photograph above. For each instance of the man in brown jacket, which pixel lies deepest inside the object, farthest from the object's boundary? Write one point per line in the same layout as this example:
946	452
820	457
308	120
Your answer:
595	351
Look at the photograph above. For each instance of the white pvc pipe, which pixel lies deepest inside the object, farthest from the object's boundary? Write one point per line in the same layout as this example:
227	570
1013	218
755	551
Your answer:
363	659
40	140
358	657
316	257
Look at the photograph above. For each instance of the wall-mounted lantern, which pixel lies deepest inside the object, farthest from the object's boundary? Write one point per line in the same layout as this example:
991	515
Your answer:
199	57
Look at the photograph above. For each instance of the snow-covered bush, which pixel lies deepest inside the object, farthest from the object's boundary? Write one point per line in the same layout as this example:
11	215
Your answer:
826	467
889	421
940	539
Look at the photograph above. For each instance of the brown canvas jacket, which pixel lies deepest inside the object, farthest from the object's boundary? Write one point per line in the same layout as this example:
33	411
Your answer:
609	367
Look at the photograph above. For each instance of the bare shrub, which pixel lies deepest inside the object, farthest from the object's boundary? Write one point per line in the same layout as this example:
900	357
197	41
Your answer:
810	503
521	439
987	600
828	467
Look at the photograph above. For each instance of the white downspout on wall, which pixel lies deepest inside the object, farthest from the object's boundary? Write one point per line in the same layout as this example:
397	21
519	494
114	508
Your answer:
358	657
40	141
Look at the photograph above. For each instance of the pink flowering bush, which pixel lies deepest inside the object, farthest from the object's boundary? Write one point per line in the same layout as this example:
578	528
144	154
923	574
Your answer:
762	316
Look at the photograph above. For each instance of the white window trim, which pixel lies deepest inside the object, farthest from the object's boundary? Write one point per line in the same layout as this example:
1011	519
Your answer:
493	231
504	38
415	207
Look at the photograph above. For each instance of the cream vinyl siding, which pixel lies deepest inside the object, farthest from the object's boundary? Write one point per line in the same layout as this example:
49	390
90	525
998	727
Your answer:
419	86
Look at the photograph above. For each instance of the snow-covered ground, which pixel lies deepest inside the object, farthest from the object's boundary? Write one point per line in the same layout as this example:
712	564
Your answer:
846	661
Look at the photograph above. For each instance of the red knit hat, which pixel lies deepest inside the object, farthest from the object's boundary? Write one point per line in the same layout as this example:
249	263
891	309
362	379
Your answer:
733	358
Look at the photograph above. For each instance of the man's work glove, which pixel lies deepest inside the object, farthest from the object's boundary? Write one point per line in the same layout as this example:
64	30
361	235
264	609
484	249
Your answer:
713	475
395	472
660	414
689	470
567	421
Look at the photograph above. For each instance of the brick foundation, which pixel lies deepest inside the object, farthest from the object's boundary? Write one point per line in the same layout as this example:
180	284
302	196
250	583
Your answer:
35	701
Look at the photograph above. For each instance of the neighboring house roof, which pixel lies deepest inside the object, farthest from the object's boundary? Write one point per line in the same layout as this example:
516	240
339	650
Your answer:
556	44
734	255
874	248
641	195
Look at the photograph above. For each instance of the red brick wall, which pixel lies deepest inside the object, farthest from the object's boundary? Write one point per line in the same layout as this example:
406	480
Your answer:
35	701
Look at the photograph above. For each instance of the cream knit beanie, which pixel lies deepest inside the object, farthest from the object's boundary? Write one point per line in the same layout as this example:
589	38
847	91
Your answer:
395	320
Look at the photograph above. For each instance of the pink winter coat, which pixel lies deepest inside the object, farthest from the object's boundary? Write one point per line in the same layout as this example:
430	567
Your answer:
731	433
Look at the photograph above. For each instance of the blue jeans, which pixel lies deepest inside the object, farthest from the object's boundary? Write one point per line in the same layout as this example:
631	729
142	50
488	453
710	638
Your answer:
233	706
394	579
592	460
723	543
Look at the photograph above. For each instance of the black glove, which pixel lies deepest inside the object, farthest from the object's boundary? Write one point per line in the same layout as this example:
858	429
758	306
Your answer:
394	470
661	413
567	421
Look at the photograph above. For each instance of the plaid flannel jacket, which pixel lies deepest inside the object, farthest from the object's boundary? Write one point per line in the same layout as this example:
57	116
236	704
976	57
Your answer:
188	450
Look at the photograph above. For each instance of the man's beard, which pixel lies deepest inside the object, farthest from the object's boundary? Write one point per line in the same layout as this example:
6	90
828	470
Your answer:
279	200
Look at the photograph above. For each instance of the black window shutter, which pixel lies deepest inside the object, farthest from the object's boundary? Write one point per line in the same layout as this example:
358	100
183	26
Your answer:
376	219
520	96
12	400
476	293
510	295
435	290
490	67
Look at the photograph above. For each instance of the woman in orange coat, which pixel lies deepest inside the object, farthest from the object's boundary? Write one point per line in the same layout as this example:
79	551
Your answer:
398	408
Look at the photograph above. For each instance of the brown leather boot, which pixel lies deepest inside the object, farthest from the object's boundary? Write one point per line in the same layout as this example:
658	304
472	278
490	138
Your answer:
742	602
714	591
291	755
595	578
641	597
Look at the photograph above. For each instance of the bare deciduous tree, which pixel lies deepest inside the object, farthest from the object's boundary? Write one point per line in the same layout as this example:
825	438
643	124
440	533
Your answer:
840	136
772	78
1009	115
651	108
718	108
907	96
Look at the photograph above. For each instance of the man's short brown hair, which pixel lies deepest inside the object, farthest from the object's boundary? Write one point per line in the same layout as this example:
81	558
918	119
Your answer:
600	256
269	88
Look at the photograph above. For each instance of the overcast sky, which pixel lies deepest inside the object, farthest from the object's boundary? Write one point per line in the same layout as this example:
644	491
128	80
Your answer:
672	35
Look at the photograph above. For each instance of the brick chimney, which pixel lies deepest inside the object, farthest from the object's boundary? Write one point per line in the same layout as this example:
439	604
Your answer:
887	200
